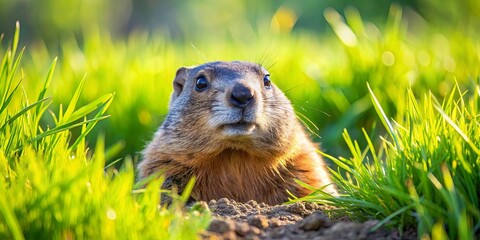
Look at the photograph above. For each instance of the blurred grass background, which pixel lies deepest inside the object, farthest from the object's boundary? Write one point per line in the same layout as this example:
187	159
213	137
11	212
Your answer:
320	52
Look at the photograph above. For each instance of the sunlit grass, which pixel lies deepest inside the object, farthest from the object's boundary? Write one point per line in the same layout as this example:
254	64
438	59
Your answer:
425	173
53	188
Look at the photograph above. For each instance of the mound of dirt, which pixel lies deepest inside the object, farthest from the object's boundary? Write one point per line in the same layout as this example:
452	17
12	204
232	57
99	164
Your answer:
252	220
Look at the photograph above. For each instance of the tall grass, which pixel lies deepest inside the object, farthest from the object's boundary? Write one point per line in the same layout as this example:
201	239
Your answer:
424	171
54	188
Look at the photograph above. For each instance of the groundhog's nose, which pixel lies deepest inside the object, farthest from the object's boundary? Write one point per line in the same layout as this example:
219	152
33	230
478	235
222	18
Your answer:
241	96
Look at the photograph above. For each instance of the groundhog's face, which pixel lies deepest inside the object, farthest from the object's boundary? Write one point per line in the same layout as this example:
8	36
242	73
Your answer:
222	103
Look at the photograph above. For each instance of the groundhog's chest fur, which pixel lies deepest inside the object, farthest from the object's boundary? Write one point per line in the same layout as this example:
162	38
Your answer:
236	175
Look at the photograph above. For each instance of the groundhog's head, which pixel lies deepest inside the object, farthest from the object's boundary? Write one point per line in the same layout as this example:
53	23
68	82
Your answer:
226	105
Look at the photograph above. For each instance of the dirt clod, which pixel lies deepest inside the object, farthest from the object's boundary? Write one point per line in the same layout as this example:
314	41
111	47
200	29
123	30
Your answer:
315	221
258	221
242	229
221	225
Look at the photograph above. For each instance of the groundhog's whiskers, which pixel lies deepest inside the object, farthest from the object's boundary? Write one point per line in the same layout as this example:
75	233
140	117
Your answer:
267	58
306	122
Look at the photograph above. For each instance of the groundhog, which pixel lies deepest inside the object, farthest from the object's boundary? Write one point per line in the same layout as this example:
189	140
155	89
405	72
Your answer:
237	133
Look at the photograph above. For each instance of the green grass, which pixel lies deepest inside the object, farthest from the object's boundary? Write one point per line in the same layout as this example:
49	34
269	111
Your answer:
54	188
404	97
426	172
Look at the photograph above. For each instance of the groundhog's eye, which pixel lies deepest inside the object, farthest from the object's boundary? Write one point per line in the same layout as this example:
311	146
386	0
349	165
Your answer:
266	81
201	84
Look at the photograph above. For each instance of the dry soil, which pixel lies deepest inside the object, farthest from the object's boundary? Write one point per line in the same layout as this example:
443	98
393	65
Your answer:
252	220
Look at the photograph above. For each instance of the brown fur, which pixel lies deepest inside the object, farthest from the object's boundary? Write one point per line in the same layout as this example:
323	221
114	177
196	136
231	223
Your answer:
196	140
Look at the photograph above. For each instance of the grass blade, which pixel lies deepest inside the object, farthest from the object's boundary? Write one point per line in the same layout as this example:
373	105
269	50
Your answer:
383	117
65	127
458	130
23	111
9	97
46	84
73	102
104	106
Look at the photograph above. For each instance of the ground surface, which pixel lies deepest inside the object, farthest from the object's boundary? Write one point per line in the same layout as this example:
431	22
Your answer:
252	220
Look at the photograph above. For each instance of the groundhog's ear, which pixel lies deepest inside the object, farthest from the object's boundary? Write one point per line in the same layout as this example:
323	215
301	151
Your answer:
179	81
